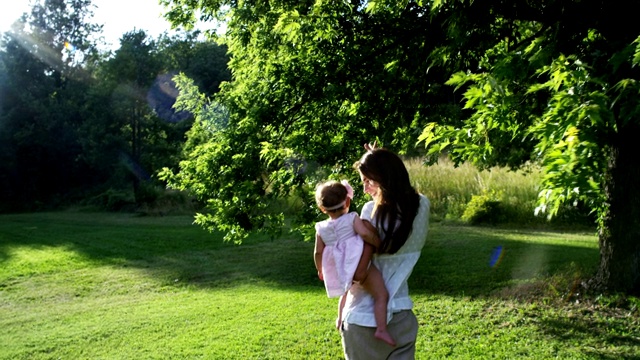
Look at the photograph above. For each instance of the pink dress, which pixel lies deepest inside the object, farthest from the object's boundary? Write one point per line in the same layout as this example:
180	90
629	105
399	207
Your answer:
342	252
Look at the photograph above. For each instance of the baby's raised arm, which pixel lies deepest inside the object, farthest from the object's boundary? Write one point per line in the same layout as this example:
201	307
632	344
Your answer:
368	233
371	242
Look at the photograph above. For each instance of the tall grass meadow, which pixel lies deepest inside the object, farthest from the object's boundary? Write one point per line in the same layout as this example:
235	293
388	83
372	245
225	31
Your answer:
493	196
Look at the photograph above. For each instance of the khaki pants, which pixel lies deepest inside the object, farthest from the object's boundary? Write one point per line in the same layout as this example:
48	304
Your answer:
358	341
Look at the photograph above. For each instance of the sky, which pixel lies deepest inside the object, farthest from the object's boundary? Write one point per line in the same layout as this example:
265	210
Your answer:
117	16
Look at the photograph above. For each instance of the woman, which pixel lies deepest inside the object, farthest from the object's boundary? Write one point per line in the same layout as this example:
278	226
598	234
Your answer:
401	216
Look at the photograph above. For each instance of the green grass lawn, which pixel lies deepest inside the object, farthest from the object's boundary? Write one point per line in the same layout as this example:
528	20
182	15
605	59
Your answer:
116	286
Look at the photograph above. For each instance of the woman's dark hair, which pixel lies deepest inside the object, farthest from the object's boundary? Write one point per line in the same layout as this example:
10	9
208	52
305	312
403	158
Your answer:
397	201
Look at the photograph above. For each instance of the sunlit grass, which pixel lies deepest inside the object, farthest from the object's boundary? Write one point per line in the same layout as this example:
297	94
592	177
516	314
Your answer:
116	286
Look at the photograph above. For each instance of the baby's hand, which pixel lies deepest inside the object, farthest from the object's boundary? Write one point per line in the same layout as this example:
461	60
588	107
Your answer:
371	147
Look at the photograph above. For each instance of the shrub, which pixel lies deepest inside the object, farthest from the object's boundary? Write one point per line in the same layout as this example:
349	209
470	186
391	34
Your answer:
148	193
483	209
169	202
114	200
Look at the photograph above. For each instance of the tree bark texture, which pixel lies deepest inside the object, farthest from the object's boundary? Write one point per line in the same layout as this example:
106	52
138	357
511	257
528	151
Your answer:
619	233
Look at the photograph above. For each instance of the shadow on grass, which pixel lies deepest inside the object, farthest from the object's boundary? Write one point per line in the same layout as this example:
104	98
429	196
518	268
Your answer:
582	329
474	261
170	249
457	261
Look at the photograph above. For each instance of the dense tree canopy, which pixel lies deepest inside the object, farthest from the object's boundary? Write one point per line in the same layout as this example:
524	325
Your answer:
42	96
81	126
492	82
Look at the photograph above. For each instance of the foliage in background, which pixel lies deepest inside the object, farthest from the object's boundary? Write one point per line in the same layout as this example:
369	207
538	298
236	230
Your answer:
43	92
78	126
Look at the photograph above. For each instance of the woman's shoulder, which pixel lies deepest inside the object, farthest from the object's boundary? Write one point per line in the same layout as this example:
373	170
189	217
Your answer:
421	221
424	202
367	211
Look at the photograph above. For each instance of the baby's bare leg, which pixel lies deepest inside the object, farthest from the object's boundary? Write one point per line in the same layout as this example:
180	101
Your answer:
374	284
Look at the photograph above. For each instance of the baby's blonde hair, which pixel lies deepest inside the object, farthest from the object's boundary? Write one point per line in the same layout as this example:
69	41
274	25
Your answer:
330	194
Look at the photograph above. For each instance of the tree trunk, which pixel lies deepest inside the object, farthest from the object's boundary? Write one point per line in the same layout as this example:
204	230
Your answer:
619	232
135	150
